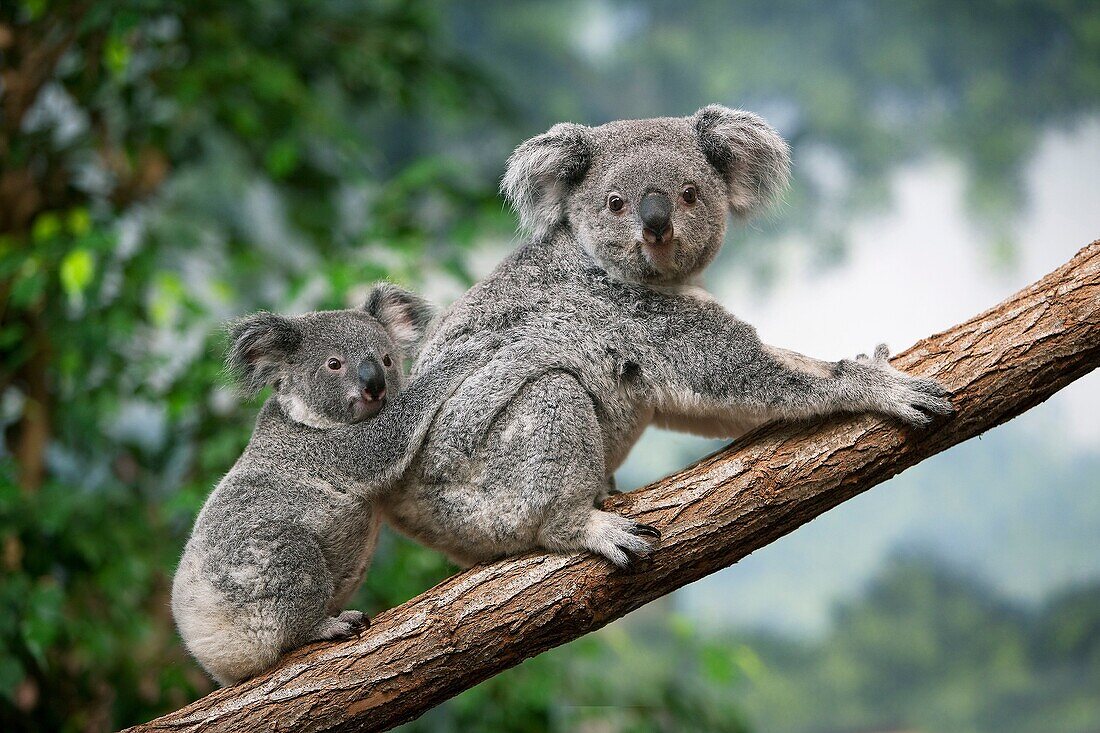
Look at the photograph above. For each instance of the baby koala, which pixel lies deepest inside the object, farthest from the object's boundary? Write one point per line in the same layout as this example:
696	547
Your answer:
285	538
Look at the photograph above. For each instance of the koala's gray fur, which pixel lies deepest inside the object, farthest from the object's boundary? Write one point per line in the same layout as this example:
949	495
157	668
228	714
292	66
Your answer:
286	537
612	298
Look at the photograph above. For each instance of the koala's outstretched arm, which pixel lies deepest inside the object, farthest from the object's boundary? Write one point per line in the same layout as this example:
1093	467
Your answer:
721	376
378	451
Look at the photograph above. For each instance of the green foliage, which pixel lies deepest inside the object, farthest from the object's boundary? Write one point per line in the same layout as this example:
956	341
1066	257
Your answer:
678	680
928	649
83	609
221	157
858	87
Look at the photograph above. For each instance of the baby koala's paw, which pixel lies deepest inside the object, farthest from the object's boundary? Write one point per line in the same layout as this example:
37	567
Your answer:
345	626
915	400
356	619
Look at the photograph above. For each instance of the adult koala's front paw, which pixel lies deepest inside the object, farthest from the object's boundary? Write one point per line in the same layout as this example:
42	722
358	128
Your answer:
915	400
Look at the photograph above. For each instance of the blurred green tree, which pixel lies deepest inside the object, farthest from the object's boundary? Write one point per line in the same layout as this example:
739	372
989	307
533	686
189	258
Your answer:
166	165
858	87
928	648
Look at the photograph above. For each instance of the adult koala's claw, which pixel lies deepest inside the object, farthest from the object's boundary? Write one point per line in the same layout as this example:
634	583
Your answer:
640	558
646	530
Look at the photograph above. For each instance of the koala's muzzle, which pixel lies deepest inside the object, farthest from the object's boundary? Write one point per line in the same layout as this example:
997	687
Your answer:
372	379
656	213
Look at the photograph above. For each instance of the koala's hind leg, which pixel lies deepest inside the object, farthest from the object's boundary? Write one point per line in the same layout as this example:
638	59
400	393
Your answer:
609	490
241	603
558	462
617	538
290	586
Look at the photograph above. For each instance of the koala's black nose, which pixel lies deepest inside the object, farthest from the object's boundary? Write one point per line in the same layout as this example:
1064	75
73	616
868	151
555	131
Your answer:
372	378
656	213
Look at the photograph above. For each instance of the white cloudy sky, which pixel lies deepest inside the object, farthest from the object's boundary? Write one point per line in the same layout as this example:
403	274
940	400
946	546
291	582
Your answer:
918	270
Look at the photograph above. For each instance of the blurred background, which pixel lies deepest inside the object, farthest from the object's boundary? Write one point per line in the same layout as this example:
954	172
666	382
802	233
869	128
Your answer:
166	165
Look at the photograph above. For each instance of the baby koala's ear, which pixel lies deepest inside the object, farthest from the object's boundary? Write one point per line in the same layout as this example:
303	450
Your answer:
259	346
404	314
753	158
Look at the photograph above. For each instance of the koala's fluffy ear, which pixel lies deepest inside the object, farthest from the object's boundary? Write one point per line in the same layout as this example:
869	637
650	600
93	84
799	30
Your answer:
541	171
259	346
748	152
404	314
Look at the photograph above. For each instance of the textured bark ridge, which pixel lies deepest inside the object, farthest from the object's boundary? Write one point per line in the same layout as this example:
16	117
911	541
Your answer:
491	617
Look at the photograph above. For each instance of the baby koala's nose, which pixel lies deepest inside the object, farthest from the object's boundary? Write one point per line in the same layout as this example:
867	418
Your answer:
372	379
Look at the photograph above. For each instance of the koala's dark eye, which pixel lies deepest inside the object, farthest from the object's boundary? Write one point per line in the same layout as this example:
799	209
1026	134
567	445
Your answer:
615	202
334	364
689	195
387	361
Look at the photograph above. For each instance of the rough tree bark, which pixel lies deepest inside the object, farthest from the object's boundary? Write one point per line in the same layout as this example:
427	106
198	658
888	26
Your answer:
491	617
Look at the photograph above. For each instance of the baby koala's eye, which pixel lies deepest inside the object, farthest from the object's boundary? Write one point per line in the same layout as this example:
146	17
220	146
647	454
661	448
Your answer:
690	195
334	364
387	361
615	202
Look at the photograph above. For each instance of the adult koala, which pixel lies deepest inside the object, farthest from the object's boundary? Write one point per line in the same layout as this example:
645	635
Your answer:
624	218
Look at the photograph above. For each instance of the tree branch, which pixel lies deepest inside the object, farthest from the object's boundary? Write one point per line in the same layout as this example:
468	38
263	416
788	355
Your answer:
491	617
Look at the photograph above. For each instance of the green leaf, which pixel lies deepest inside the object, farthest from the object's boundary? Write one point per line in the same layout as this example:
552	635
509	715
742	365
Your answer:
46	227
282	158
718	664
116	55
34	8
748	662
11	674
42	624
79	222
29	285
167	298
77	269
